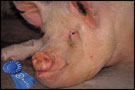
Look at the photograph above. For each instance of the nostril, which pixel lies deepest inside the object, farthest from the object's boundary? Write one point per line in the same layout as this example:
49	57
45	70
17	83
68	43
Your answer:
46	58
40	56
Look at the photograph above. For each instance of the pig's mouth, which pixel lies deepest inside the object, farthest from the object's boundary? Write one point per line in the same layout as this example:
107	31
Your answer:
50	73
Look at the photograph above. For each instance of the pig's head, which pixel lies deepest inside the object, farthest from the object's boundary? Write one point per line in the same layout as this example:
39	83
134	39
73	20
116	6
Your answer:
77	42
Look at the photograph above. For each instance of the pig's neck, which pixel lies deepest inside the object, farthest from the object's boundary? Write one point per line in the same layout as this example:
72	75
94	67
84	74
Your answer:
124	34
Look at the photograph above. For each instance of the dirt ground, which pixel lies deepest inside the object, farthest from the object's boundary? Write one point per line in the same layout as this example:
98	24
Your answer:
14	31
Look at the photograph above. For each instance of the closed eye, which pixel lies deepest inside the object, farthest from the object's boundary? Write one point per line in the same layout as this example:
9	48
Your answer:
73	33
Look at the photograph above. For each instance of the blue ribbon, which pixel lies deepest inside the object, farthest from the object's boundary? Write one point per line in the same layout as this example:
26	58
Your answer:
21	78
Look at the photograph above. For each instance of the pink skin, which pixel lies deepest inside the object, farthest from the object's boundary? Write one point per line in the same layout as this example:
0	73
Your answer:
76	47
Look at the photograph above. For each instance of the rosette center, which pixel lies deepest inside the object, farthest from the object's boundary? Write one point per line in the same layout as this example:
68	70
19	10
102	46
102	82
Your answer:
12	67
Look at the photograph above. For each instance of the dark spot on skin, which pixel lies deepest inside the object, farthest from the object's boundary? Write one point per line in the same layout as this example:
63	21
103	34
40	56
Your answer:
91	56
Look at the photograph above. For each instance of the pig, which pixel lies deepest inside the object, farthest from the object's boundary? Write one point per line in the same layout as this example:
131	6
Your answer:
80	38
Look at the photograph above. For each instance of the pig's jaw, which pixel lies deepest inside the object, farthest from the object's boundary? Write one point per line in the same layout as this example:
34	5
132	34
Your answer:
58	78
54	78
49	73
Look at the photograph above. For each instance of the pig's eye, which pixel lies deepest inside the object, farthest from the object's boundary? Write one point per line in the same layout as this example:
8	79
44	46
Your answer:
73	33
74	38
81	8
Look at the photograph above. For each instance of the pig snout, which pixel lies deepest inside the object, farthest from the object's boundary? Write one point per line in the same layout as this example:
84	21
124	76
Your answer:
41	61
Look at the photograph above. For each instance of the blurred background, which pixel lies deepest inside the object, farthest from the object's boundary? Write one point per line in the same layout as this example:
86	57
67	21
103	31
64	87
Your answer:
14	29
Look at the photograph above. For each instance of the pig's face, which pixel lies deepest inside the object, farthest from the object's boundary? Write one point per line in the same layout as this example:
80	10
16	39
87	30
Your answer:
74	49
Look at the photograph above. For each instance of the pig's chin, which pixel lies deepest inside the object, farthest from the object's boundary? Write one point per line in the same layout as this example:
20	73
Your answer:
52	78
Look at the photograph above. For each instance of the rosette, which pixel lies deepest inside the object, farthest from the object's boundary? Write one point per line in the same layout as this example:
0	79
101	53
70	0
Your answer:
12	67
22	79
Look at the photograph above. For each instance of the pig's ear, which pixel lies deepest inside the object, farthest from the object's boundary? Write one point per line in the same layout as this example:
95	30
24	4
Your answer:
83	9
29	11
